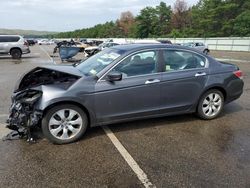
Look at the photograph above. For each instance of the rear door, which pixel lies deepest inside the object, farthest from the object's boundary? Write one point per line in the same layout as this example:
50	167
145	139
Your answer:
136	95
184	77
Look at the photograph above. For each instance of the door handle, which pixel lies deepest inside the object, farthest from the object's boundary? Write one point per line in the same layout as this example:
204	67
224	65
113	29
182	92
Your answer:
200	74
151	81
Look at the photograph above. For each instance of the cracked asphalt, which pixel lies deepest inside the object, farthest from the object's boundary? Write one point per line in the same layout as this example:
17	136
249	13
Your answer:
178	151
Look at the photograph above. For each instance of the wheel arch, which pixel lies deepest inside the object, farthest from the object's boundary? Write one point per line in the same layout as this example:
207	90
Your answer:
16	48
72	103
219	88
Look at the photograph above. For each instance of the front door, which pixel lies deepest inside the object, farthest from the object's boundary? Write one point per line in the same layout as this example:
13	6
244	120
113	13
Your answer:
136	95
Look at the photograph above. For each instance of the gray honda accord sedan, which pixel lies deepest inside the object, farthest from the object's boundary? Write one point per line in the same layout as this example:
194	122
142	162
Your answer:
122	83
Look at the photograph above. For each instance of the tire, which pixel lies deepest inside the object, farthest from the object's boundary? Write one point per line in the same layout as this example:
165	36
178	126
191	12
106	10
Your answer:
210	104
64	124
16	53
206	51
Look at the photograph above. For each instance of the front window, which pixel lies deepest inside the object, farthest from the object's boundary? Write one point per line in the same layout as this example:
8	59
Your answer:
138	64
98	62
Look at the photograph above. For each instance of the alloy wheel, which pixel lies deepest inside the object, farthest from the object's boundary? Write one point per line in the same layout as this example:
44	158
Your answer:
65	124
212	104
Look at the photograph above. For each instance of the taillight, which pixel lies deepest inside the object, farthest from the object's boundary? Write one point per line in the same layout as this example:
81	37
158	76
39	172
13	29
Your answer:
239	74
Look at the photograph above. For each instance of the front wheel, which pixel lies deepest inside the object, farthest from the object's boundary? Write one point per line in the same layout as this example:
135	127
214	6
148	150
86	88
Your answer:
16	53
210	104
64	124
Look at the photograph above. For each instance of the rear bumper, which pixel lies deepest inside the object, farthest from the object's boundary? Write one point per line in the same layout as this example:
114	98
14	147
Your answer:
26	51
234	90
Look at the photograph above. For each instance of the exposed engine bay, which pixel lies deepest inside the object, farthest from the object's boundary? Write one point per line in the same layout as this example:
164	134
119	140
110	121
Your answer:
23	113
43	76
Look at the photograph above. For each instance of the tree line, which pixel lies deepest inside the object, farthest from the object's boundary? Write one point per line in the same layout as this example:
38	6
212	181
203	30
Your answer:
207	18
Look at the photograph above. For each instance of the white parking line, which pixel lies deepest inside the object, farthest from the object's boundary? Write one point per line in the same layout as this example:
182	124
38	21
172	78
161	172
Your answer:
128	158
3	131
51	59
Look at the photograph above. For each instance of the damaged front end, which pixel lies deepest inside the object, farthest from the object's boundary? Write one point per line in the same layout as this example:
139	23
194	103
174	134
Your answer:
23	115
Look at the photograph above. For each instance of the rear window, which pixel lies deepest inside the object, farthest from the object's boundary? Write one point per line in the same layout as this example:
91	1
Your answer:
182	60
9	38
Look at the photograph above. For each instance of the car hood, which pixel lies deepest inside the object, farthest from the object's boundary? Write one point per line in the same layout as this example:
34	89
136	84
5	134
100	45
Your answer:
65	69
64	75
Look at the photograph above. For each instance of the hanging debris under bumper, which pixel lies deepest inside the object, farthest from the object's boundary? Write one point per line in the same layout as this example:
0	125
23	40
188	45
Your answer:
34	91
23	115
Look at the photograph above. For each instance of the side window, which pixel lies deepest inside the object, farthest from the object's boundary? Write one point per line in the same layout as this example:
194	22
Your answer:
181	60
3	39
13	39
199	44
138	64
9	39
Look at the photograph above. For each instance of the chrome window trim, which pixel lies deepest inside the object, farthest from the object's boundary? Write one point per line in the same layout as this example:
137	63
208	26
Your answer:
206	60
155	49
131	54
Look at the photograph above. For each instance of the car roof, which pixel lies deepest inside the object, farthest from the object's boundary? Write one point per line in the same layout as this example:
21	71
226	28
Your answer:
135	47
10	35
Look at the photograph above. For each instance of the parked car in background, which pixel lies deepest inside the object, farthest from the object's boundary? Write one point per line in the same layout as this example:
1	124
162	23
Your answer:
15	45
122	83
31	42
107	45
165	41
95	49
81	45
199	46
45	42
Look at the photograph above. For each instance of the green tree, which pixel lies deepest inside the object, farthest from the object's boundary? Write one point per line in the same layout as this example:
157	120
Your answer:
164	15
242	24
146	22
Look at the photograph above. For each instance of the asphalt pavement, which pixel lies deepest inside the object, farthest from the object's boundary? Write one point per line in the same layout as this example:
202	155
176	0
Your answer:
178	151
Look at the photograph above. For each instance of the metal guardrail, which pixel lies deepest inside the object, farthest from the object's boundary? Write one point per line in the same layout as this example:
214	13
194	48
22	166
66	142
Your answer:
228	44
217	43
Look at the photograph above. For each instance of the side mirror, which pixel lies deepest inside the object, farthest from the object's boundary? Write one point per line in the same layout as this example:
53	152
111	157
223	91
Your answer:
114	76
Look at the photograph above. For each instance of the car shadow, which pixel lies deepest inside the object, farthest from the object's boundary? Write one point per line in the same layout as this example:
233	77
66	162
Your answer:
231	108
149	123
23	57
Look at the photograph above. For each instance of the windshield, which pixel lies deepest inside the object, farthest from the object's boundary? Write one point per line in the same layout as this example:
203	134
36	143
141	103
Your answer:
96	63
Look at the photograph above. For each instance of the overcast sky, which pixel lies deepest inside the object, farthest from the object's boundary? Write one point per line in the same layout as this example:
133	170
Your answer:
66	15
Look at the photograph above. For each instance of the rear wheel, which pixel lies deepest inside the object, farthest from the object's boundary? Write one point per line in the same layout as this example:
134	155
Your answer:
16	53
210	104
64	124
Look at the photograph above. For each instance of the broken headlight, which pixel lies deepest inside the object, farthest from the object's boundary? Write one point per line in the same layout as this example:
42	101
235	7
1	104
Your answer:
30	96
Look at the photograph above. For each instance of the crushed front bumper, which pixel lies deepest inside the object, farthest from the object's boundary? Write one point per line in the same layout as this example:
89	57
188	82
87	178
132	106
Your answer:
23	114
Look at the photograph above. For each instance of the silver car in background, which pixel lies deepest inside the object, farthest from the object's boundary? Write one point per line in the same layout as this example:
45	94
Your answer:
198	46
14	45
